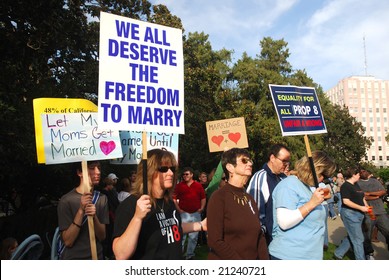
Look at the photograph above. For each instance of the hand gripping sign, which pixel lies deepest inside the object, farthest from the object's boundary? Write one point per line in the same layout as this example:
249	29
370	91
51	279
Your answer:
67	131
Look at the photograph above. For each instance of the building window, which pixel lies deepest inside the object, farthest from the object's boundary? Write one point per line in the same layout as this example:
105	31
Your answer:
372	157
379	148
387	157
366	158
380	157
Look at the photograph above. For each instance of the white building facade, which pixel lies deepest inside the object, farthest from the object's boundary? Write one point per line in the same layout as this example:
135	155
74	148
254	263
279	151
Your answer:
367	99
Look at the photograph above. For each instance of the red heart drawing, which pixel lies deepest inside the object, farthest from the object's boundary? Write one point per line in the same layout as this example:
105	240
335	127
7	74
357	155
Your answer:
234	137
217	139
107	147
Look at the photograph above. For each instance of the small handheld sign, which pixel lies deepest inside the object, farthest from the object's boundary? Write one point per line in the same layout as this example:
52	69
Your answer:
226	134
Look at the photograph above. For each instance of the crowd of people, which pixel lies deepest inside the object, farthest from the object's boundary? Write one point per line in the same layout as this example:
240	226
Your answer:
279	213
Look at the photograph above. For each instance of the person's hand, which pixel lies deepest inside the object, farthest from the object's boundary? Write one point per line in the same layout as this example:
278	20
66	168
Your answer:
364	209
86	199
90	210
143	206
204	224
317	197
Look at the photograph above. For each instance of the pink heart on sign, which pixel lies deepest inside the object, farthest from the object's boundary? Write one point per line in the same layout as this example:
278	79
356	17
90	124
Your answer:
107	147
234	137
217	139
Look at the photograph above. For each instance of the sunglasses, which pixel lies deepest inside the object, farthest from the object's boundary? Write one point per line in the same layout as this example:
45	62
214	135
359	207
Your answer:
185	174
246	160
164	169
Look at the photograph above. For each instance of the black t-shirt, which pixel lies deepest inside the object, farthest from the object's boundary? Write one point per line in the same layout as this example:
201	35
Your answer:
352	192
161	233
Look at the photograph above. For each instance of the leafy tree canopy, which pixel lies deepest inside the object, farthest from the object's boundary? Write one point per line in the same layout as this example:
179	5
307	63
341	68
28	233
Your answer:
50	49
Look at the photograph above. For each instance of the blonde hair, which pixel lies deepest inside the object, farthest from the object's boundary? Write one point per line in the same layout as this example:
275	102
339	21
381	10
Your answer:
155	159
324	166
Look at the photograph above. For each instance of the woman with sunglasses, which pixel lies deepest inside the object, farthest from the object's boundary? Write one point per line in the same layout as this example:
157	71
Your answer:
234	229
148	226
298	213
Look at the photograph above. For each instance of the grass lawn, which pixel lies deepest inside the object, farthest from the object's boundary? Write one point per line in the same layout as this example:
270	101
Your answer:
202	253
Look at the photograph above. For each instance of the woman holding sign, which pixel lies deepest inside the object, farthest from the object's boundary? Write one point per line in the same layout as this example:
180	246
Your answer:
148	226
299	216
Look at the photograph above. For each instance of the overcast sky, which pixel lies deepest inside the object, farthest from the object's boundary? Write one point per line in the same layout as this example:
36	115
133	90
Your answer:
325	37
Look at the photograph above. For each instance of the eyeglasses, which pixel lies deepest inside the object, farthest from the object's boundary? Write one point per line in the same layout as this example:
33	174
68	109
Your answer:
284	162
185	174
246	160
164	169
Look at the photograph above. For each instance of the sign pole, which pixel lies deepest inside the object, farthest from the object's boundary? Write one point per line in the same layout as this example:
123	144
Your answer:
311	160
86	188
144	161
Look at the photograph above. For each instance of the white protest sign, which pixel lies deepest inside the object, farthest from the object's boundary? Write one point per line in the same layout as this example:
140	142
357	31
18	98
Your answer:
141	76
131	142
77	137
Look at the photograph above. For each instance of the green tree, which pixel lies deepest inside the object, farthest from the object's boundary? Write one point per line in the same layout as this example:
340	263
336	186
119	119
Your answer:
383	174
49	49
345	140
204	75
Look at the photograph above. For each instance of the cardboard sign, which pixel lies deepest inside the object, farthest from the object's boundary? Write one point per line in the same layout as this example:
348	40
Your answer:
226	134
298	110
55	106
131	142
77	137
141	76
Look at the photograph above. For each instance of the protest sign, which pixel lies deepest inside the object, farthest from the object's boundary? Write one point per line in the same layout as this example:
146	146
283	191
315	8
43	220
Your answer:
131	142
226	134
298	110
141	76
55	106
77	137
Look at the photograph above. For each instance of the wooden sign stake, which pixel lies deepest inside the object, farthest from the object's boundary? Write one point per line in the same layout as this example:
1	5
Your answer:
144	161
87	188
311	160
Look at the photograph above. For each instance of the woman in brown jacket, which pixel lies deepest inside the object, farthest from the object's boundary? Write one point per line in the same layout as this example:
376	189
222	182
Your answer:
234	229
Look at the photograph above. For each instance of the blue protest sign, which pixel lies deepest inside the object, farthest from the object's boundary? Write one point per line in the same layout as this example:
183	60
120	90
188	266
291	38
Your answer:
298	110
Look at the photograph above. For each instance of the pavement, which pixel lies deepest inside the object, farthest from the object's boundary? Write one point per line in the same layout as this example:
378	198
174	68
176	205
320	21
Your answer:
336	232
